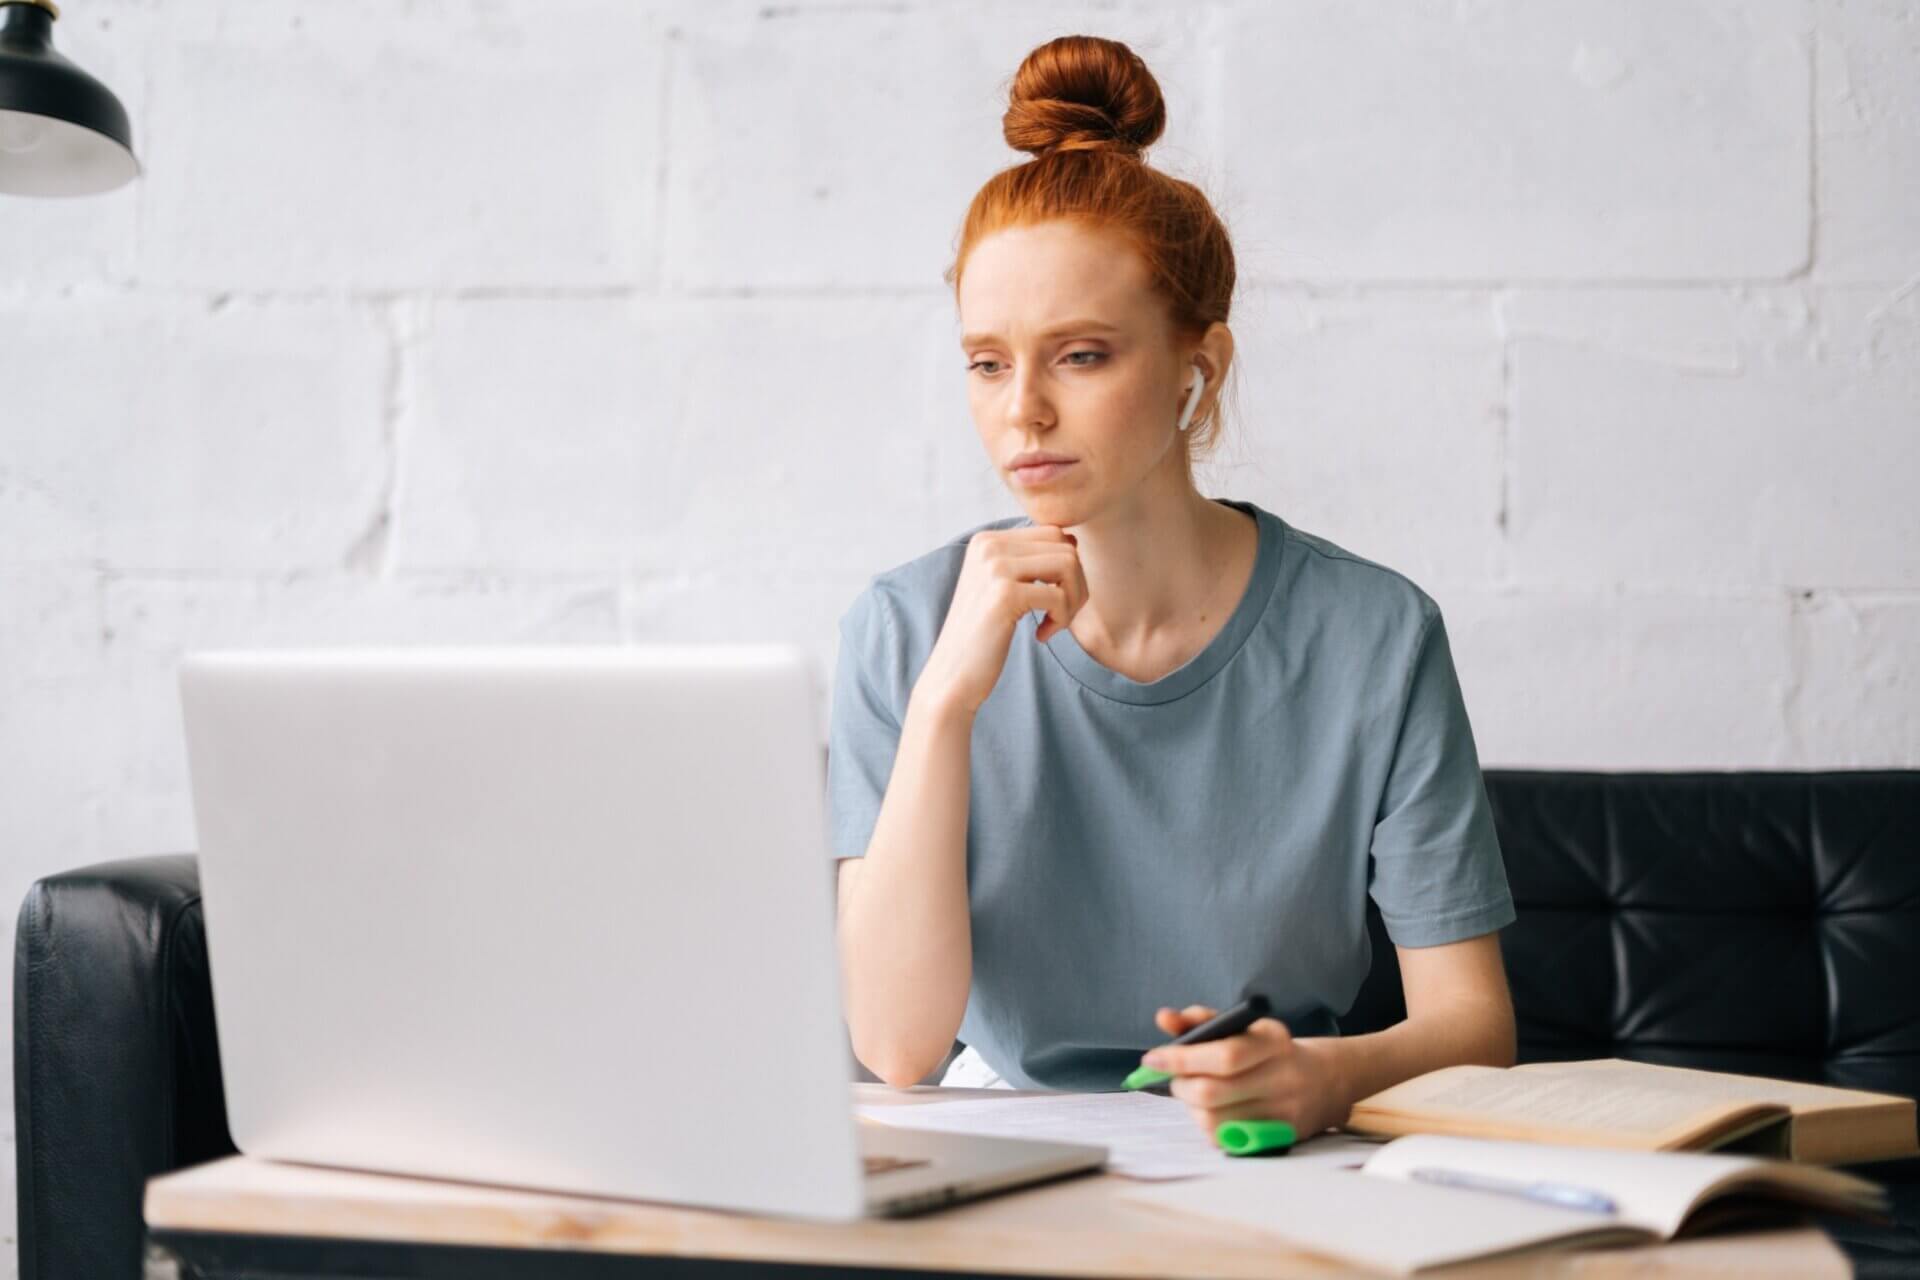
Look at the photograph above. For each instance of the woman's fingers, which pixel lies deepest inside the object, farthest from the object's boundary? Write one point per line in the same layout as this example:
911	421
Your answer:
1028	596
1054	563
1177	1022
1230	1056
991	597
1053	599
1229	1098
1266	1041
1047	564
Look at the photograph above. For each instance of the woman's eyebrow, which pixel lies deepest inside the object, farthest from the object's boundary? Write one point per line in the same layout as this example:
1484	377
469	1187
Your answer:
1069	326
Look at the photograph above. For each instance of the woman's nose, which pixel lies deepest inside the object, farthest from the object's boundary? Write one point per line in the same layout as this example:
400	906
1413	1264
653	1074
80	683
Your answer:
1027	405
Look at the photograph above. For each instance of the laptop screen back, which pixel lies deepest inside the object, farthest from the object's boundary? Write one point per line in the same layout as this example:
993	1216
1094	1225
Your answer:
545	917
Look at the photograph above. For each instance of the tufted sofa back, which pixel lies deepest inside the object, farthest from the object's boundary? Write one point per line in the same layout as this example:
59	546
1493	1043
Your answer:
1766	923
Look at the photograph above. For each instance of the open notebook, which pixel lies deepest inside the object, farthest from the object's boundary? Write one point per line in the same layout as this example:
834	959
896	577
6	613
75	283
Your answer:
1653	1196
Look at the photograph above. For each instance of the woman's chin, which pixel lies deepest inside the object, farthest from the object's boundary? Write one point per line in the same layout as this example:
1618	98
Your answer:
1057	504
1053	511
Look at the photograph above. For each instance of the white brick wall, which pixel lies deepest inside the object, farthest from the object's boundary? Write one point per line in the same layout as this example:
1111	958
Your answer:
499	321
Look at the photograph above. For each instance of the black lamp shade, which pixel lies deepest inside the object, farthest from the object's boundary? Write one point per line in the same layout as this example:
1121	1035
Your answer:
62	133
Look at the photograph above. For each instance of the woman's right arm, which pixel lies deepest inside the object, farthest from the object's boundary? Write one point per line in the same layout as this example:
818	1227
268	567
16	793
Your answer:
906	947
906	937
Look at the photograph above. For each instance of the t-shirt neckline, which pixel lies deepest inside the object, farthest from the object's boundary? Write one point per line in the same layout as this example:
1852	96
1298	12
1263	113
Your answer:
1197	670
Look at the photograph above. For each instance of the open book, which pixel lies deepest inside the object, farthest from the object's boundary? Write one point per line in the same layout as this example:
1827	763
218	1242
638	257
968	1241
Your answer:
1450	1199
1610	1102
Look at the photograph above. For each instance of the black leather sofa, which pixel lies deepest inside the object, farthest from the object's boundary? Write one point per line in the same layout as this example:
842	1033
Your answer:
1760	922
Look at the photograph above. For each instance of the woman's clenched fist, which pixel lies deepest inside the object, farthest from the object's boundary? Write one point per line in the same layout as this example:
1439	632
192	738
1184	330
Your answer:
1007	574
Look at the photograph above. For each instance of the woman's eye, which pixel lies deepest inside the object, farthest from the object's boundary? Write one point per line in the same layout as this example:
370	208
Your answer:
1098	356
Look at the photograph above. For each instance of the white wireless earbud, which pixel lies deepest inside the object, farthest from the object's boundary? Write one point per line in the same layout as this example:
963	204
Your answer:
1193	398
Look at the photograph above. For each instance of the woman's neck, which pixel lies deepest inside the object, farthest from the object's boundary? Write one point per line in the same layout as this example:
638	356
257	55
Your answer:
1164	571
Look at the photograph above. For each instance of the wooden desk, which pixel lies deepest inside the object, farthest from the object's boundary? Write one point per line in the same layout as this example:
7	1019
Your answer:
242	1216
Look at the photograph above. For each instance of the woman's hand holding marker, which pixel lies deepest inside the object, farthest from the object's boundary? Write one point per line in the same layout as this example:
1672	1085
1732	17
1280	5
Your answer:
1006	575
1263	1073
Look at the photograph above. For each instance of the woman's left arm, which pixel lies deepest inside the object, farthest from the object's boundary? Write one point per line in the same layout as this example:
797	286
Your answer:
1458	1011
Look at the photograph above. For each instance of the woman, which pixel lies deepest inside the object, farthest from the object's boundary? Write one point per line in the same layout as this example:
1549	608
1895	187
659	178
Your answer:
1097	771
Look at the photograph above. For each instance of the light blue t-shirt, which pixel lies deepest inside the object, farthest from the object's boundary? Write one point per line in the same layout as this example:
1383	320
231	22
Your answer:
1188	840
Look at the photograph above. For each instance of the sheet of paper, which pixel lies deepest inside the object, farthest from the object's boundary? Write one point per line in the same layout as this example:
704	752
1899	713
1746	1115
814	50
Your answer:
1377	1222
1147	1136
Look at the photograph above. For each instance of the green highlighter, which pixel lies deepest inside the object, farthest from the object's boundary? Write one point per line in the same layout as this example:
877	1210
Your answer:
1236	1137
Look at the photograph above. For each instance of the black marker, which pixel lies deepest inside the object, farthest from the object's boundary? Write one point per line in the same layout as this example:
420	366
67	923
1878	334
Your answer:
1218	1027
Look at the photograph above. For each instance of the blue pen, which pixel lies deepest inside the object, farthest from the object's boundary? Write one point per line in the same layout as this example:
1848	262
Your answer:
1554	1193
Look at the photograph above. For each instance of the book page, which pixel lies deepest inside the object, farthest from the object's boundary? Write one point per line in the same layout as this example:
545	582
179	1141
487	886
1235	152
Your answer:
1651	1189
1345	1214
1830	1124
1713	1085
1628	1110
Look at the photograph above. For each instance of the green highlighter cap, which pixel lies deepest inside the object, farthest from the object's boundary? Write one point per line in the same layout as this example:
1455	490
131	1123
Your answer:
1254	1137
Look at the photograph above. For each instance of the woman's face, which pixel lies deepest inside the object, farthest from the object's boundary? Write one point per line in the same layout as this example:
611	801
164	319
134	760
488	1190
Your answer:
1070	358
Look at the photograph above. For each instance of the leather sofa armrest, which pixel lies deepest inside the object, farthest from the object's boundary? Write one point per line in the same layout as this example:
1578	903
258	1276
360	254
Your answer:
116	1066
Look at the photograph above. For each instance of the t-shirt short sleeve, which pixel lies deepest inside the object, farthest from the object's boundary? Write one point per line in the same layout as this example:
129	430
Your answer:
863	730
1437	871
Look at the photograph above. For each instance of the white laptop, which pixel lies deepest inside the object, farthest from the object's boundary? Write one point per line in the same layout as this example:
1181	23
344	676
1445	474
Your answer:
550	917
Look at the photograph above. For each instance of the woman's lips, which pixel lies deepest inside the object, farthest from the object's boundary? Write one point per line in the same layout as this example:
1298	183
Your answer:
1038	472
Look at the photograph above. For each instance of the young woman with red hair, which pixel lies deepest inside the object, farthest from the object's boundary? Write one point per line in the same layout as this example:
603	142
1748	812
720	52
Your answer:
1097	770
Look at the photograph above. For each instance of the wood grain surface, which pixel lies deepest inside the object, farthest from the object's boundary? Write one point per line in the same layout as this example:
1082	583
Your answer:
1076	1227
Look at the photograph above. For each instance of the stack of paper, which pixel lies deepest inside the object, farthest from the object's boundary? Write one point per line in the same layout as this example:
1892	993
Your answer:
1147	1136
